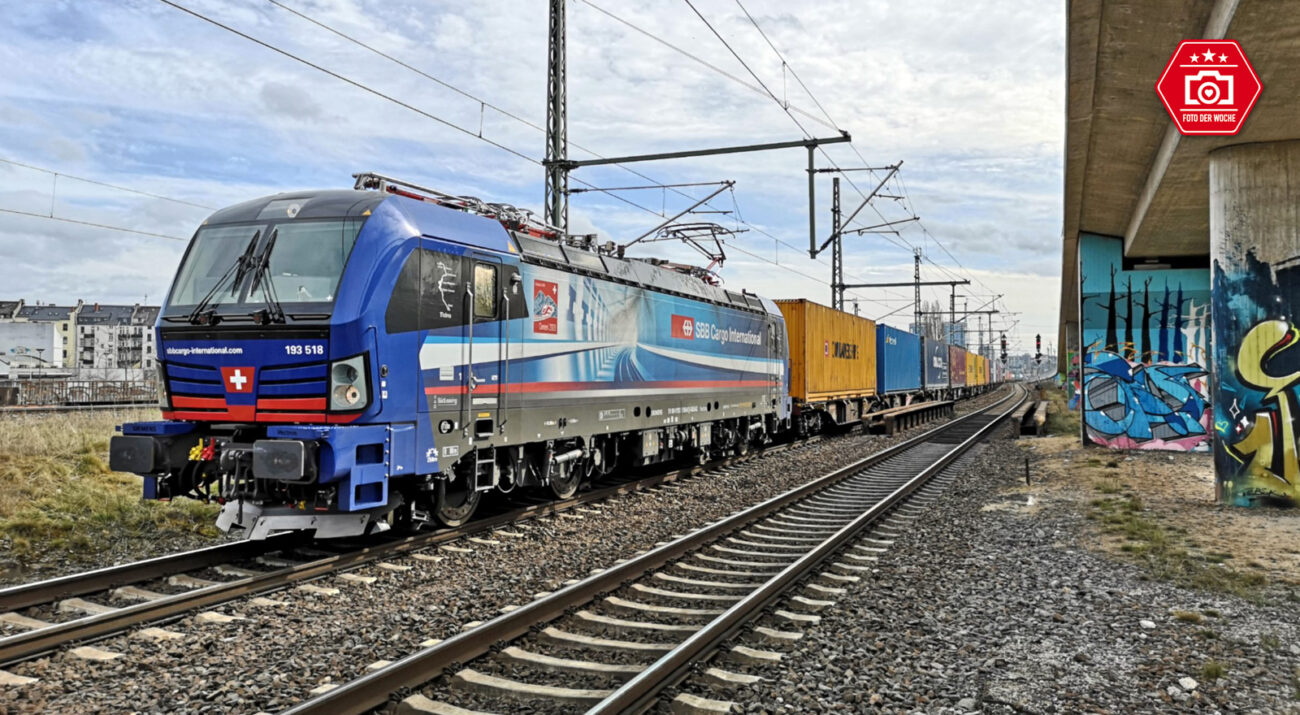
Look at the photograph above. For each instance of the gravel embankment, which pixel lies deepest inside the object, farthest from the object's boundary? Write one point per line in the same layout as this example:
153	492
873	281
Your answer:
989	605
277	653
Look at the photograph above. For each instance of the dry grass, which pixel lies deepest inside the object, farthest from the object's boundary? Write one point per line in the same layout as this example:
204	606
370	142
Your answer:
1061	420
56	492
1164	551
1212	670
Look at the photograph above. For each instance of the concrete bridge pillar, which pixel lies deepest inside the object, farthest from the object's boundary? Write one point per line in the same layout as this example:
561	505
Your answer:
1255	296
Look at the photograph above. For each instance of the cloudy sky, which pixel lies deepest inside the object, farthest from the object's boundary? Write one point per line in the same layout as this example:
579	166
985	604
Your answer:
140	94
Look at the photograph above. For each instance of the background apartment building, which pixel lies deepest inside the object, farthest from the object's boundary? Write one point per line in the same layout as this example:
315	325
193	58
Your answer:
83	341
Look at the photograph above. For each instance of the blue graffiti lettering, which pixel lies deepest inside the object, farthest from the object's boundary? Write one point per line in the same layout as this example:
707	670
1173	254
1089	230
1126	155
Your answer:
1141	402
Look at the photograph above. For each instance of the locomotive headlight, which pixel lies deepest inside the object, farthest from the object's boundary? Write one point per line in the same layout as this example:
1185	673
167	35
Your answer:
348	384
160	388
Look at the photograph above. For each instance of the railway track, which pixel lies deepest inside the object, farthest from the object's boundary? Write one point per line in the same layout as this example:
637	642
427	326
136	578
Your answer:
616	640
51	614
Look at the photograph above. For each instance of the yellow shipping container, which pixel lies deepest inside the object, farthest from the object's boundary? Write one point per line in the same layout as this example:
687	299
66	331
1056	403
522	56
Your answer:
972	369
832	353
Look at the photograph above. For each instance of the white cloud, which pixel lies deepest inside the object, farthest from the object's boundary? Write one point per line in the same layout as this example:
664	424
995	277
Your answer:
969	93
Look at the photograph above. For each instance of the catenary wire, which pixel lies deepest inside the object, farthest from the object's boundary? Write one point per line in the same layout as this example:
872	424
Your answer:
421	112
698	59
105	184
429	115
785	108
901	182
92	223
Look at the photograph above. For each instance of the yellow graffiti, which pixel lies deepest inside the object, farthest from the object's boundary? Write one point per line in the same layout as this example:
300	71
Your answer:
1264	342
1270	445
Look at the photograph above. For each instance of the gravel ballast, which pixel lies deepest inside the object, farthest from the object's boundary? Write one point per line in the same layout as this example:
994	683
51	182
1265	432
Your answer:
279	651
991	604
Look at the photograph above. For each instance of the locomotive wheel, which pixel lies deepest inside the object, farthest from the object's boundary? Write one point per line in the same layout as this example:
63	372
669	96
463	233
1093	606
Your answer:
455	501
564	482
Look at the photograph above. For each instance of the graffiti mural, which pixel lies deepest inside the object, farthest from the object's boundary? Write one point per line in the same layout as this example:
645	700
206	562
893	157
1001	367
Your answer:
1258	391
1073	379
1145	337
1131	405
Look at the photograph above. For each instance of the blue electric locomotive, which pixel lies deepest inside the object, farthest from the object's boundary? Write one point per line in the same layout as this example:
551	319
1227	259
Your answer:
340	361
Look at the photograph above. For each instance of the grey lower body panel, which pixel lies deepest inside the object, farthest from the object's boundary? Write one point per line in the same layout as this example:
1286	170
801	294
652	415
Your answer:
261	523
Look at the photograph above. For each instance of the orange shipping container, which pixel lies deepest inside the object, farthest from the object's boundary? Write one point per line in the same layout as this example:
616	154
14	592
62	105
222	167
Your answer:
832	353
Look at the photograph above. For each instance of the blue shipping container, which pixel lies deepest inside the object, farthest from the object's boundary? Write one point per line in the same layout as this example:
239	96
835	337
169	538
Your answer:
936	364
898	360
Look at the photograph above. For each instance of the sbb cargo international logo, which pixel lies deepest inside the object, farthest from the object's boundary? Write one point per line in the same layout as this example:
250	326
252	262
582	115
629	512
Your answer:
1209	87
683	327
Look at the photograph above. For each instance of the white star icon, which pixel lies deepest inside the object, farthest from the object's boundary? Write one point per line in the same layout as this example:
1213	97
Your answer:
1209	55
1223	58
1196	57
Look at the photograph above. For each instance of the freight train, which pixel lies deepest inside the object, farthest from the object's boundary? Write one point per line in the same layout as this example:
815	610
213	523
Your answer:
346	361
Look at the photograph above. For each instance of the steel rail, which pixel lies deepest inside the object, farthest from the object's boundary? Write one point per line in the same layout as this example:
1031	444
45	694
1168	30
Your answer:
40	592
86	582
640	692
25	645
373	689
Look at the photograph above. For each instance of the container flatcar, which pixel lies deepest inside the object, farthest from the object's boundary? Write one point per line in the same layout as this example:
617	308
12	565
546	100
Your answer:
898	363
832	363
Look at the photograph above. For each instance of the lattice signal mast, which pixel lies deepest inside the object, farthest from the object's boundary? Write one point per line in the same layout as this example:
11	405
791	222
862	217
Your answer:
557	132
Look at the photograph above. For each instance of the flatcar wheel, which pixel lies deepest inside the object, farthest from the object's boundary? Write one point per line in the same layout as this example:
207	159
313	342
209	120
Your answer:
455	501
564	481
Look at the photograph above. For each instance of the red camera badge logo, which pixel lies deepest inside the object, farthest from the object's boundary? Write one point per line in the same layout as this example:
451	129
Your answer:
238	379
1209	87
683	327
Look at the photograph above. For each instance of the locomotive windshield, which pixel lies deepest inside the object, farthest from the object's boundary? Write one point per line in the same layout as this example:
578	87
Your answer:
237	268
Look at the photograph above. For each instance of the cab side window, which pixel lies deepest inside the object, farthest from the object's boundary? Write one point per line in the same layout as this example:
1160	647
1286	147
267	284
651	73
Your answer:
429	293
485	291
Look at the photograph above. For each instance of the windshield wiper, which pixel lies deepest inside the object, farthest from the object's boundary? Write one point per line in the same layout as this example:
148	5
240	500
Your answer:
273	312
237	270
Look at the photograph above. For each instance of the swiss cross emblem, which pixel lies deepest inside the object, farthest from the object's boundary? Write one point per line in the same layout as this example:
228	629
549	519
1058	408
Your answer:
683	327
237	379
1209	87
